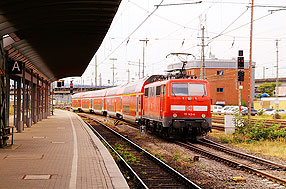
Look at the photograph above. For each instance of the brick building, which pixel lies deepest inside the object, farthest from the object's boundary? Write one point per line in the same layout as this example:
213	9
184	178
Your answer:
222	76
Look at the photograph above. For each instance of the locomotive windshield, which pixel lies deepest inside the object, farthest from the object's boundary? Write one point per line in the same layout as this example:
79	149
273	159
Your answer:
188	89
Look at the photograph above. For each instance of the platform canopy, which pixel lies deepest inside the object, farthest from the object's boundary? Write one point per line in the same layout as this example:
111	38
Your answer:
58	38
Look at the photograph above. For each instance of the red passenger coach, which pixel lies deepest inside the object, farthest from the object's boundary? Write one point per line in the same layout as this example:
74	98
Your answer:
113	101
76	102
98	104
178	107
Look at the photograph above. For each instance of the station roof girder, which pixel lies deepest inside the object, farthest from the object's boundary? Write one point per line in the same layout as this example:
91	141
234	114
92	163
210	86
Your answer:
56	37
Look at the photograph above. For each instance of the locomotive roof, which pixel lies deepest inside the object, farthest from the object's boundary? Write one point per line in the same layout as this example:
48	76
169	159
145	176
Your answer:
175	80
134	87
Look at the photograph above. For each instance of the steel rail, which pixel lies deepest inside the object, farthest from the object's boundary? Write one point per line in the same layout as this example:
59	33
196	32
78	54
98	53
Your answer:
267	122
230	151
125	164
172	171
231	162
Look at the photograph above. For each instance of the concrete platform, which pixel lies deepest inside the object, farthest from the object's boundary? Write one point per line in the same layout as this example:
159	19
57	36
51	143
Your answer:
58	152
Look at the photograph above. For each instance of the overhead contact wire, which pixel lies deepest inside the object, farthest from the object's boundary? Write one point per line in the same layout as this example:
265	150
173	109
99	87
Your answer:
133	31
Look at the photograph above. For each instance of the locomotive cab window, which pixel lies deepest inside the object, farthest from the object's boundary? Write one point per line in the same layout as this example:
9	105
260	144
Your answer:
188	89
146	91
158	90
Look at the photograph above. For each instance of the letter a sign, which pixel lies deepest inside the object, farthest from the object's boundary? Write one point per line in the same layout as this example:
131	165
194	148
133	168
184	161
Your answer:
15	67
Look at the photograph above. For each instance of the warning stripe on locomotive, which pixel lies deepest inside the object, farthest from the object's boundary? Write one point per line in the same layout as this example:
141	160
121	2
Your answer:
116	122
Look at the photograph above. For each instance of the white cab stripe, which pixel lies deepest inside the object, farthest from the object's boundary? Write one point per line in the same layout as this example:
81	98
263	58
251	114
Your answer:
178	107
200	108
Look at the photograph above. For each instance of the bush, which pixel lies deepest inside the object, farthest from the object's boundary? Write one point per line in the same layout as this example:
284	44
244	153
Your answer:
276	116
260	113
246	132
244	103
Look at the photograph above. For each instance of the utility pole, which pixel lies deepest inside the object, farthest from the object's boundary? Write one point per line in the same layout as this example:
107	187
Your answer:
136	64
113	59
277	90
250	61
203	65
100	80
128	71
81	83
264	72
95	71
139	69
144	45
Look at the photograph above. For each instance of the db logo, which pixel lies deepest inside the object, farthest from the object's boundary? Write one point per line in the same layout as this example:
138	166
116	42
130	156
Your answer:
189	108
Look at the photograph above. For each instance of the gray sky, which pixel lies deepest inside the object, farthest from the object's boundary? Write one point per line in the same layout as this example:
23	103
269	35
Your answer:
177	28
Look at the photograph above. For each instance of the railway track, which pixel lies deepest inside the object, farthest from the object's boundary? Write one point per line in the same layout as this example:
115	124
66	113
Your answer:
218	127
232	152
236	164
146	169
268	123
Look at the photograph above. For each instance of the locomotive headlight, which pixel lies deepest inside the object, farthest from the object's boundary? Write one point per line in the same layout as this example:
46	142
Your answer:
175	115
203	115
189	98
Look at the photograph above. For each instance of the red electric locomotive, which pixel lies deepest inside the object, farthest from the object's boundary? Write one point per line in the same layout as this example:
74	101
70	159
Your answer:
174	107
178	107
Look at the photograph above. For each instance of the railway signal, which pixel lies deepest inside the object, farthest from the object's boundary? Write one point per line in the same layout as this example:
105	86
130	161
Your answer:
240	66
60	83
240	62
71	88
240	76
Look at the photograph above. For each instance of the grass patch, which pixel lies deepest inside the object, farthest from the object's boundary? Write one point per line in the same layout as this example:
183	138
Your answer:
274	148
126	154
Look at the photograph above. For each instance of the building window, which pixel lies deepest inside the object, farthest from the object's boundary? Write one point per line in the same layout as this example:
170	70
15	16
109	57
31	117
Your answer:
220	73
219	90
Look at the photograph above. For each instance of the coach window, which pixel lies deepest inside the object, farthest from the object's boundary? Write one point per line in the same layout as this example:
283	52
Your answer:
146	92
158	90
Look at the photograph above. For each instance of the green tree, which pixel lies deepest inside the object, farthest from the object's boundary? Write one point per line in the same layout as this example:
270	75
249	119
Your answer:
267	88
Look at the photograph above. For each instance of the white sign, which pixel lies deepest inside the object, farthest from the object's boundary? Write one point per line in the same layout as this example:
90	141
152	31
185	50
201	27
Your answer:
229	125
142	130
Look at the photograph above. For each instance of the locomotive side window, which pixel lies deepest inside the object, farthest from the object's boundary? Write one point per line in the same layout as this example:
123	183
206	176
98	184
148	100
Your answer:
139	102
188	89
146	91
158	90
151	92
